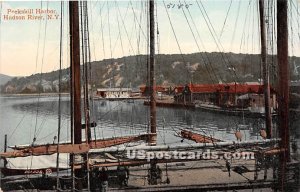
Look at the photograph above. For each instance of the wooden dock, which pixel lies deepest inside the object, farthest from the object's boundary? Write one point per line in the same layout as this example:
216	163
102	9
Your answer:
167	103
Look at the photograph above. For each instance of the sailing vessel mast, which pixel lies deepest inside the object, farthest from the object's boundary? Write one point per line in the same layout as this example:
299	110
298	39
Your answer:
152	138
283	91
75	71
283	88
75	82
268	118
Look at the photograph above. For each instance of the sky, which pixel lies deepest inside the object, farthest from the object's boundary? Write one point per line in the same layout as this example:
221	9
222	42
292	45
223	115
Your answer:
119	28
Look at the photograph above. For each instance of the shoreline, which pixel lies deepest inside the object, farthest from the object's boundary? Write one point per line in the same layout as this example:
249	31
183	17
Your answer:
33	94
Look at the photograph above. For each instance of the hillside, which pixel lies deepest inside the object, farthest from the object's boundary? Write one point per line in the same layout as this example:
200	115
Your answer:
4	79
170	69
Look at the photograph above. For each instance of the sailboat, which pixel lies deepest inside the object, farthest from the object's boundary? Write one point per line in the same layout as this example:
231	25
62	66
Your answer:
42	156
83	149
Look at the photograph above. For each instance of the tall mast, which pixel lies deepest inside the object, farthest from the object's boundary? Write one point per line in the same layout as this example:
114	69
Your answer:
283	88
75	82
283	92
152	139
75	65
265	67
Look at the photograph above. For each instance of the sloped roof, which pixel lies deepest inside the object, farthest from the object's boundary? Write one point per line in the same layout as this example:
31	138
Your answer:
228	88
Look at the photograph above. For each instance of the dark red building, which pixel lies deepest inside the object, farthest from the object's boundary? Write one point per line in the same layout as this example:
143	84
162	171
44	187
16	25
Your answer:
223	95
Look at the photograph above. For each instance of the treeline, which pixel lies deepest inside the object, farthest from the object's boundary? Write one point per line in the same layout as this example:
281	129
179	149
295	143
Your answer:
131	71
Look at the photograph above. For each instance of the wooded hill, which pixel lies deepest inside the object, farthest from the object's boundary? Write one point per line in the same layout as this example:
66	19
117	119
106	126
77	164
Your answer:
172	69
4	79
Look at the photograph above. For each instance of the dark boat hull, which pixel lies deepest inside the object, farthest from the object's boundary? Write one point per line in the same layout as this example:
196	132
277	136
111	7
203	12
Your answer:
15	172
233	112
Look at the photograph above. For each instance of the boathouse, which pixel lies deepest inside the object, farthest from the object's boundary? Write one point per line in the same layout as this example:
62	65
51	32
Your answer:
224	95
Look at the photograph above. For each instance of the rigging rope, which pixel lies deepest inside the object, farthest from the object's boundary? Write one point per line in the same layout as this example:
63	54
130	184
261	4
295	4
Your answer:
90	77
252	42
138	58
36	59
235	25
102	33
244	27
207	70
249	36
84	60
59	90
136	20
121	42
111	54
134	33
12	134
205	53
177	42
219	45
93	41
40	87
227	14
94	53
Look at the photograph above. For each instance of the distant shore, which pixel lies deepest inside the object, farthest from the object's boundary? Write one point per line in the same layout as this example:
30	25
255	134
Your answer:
33	94
63	94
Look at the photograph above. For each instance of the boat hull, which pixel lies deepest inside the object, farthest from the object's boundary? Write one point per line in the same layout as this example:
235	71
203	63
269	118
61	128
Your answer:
14	172
232	111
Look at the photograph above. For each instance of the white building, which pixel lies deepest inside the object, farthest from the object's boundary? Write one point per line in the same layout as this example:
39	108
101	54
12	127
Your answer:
114	93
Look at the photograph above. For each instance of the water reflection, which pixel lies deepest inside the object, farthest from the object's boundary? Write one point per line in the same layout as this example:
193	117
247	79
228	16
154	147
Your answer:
24	118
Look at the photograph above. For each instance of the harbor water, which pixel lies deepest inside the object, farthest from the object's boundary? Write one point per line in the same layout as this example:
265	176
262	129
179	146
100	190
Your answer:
24	118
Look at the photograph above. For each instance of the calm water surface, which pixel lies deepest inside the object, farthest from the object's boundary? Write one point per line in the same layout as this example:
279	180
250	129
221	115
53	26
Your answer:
24	118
